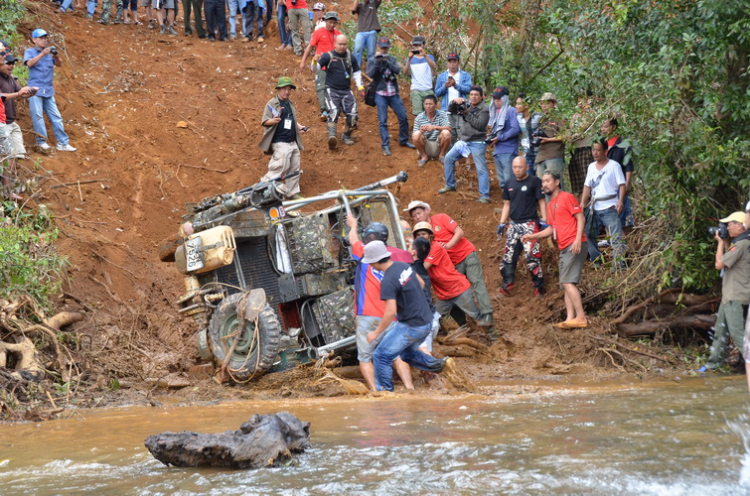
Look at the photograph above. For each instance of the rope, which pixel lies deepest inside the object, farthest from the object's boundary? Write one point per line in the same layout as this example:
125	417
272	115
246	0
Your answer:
237	334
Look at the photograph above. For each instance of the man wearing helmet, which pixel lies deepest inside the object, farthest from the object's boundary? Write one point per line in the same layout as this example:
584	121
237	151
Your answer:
367	303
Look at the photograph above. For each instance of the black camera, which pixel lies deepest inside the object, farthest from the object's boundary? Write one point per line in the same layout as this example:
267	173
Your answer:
489	138
415	52
536	137
379	55
459	108
722	229
53	50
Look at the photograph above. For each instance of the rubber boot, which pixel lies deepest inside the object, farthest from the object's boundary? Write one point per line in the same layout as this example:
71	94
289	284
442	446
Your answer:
332	141
346	138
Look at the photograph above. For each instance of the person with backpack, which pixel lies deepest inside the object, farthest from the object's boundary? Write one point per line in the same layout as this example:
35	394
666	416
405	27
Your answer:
340	69
383	69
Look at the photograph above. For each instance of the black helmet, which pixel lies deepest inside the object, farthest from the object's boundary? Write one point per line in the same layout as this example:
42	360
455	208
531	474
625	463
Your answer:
376	230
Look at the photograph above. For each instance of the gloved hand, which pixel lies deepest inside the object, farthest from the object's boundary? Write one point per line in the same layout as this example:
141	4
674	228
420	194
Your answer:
500	229
543	225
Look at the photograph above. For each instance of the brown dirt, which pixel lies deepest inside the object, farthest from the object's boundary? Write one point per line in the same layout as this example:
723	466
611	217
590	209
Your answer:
122	91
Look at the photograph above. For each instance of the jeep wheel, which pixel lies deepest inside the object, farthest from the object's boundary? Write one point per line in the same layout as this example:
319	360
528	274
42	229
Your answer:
251	355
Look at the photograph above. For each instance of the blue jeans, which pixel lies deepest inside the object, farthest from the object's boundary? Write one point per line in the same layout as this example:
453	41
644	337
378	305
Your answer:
364	40
610	219
234	9
40	105
504	167
284	33
91	7
382	103
626	216
252	14
480	162
67	5
402	341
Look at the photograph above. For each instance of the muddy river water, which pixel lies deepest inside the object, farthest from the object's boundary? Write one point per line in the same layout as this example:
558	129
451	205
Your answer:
663	438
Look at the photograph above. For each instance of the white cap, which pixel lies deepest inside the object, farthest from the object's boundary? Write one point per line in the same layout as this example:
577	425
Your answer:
375	251
416	204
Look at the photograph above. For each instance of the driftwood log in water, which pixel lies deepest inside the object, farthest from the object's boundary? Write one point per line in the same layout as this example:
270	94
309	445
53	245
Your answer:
262	441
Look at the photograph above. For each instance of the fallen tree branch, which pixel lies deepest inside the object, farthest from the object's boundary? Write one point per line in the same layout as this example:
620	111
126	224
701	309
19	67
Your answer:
78	183
622	318
651	327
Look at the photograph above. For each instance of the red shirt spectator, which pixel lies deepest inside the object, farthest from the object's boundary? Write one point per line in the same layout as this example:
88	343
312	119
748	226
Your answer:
367	281
323	40
561	212
444	227
446	280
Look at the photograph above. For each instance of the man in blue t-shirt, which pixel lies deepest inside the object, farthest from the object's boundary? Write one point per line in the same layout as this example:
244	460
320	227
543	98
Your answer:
421	66
401	289
41	61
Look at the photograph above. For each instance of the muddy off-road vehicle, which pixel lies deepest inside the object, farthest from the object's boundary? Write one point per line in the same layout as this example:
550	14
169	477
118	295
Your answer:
268	282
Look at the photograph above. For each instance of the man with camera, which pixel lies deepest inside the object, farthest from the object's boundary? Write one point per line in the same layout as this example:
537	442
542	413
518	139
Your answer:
551	148
383	69
451	84
432	132
733	260
472	141
41	61
421	66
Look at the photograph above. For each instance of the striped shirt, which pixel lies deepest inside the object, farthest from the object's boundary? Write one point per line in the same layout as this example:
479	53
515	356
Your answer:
440	120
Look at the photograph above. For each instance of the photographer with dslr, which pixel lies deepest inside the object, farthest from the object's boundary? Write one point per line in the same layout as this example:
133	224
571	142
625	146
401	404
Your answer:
421	66
472	135
41	61
733	260
451	84
383	69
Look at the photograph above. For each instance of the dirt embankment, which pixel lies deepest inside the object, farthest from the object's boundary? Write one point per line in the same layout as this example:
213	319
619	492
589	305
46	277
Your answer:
122	91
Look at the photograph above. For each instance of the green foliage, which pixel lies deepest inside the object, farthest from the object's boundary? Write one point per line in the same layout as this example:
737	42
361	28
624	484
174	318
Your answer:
11	13
30	265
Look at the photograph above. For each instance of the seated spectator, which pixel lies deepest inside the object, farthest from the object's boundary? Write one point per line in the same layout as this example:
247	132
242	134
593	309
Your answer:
431	133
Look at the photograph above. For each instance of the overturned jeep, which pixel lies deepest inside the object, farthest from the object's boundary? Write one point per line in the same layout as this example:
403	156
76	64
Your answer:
269	283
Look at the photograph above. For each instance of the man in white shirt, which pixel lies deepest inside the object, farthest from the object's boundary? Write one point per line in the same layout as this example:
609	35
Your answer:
421	66
605	187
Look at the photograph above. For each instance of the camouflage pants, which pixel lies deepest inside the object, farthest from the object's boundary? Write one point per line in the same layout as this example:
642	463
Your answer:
729	323
513	248
107	10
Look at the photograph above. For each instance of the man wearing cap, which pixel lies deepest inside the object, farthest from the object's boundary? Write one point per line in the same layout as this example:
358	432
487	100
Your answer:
299	16
472	141
566	225
401	290
282	137
368	27
10	90
41	63
733	259
451	84
340	69
461	251
383	68
504	130
322	41
621	152
551	153
432	132
368	306
421	66
452	289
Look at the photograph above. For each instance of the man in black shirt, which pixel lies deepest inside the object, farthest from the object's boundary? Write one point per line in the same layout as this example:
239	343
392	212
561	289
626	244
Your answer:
402	290
281	137
340	68
522	196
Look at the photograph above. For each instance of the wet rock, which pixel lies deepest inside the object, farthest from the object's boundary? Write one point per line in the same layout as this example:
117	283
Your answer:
263	441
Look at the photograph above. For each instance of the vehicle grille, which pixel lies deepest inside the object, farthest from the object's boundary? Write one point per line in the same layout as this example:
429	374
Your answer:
256	269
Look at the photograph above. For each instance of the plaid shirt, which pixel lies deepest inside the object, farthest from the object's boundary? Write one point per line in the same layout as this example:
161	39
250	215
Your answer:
440	120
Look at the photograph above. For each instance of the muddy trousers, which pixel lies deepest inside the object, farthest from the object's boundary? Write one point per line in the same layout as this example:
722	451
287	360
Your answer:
403	341
471	267
513	248
197	7
730	321
216	18
338	101
285	160
107	10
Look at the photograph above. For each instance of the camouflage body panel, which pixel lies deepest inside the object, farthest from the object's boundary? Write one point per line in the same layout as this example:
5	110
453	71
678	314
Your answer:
335	314
321	284
310	244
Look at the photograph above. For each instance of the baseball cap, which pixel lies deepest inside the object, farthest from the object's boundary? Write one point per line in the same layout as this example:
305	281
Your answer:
422	226
5	44
417	40
319	6
500	92
38	33
548	96
452	56
735	217
285	81
384	42
331	15
416	204
375	251
9	59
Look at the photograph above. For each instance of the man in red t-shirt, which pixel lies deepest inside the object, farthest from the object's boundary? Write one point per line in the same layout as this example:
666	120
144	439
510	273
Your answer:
566	224
368	306
461	251
452	289
322	41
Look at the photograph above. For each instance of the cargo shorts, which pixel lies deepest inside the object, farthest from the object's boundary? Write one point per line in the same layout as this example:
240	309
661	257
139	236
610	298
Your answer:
365	325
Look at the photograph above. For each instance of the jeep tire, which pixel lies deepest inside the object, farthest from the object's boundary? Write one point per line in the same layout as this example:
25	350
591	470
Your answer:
243	361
